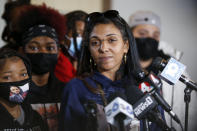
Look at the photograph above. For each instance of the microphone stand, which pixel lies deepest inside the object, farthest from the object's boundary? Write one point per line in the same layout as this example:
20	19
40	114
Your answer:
187	98
120	121
121	125
145	124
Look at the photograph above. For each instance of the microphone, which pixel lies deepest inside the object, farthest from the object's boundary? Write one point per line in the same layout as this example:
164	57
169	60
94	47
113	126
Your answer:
145	106
141	104
151	84
172	71
117	110
96	118
91	110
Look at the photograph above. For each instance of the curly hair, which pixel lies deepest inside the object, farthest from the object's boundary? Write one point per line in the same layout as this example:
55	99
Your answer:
31	15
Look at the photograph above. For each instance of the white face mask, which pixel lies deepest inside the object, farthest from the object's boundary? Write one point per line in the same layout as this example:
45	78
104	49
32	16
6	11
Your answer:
72	47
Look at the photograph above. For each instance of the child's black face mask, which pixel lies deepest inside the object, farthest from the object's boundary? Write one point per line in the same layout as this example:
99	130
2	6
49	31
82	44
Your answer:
14	92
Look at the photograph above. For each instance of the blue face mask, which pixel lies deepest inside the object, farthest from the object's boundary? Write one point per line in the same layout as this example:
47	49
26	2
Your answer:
72	47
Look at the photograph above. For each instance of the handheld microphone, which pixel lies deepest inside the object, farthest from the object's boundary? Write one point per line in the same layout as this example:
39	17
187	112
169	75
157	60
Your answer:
91	110
145	106
96	118
141	104
172	71
151	85
117	111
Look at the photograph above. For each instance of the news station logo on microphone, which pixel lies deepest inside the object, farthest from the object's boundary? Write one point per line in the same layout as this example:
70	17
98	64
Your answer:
145	87
143	106
147	84
173	71
116	107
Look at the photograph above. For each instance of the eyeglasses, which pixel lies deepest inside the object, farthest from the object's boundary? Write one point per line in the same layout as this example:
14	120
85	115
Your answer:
108	14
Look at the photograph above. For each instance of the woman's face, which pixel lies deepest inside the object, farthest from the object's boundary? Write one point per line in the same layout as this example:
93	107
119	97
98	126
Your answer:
107	47
13	70
41	44
144	31
80	27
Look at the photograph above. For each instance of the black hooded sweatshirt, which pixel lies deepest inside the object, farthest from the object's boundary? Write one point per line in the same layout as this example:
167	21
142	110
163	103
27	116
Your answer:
32	121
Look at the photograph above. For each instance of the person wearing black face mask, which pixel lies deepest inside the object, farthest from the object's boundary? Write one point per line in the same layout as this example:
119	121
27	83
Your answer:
146	28
41	48
41	44
148	50
15	77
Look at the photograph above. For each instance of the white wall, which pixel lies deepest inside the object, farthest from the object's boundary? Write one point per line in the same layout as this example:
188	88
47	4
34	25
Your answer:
65	6
2	23
179	24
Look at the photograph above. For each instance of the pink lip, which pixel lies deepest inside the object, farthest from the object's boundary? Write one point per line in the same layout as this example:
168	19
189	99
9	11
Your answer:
105	58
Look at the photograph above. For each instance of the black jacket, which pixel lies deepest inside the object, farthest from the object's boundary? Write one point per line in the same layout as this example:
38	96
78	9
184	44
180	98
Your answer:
33	121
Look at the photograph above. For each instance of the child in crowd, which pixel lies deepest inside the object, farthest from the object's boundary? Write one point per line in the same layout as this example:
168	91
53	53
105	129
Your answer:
15	77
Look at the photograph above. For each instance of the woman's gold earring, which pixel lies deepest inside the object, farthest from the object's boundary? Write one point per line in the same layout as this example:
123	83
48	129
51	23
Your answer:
90	61
125	57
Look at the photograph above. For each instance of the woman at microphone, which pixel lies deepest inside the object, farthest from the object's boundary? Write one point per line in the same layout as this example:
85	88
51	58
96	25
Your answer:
108	58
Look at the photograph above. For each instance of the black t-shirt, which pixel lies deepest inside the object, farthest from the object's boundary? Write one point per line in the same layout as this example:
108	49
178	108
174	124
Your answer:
50	93
46	100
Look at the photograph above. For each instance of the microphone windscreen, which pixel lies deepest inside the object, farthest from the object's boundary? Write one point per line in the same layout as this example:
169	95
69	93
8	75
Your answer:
139	74
90	107
157	62
116	94
133	94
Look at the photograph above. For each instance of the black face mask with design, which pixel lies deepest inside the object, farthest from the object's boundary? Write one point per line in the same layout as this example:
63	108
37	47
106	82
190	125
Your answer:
42	62
147	48
14	92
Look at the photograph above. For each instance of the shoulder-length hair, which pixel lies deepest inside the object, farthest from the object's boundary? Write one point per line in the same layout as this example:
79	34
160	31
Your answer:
85	66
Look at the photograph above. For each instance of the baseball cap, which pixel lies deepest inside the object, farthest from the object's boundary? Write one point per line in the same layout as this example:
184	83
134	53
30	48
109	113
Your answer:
144	17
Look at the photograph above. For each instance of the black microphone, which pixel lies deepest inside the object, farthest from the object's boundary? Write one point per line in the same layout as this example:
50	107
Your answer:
91	110
144	106
95	117
151	84
172	70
